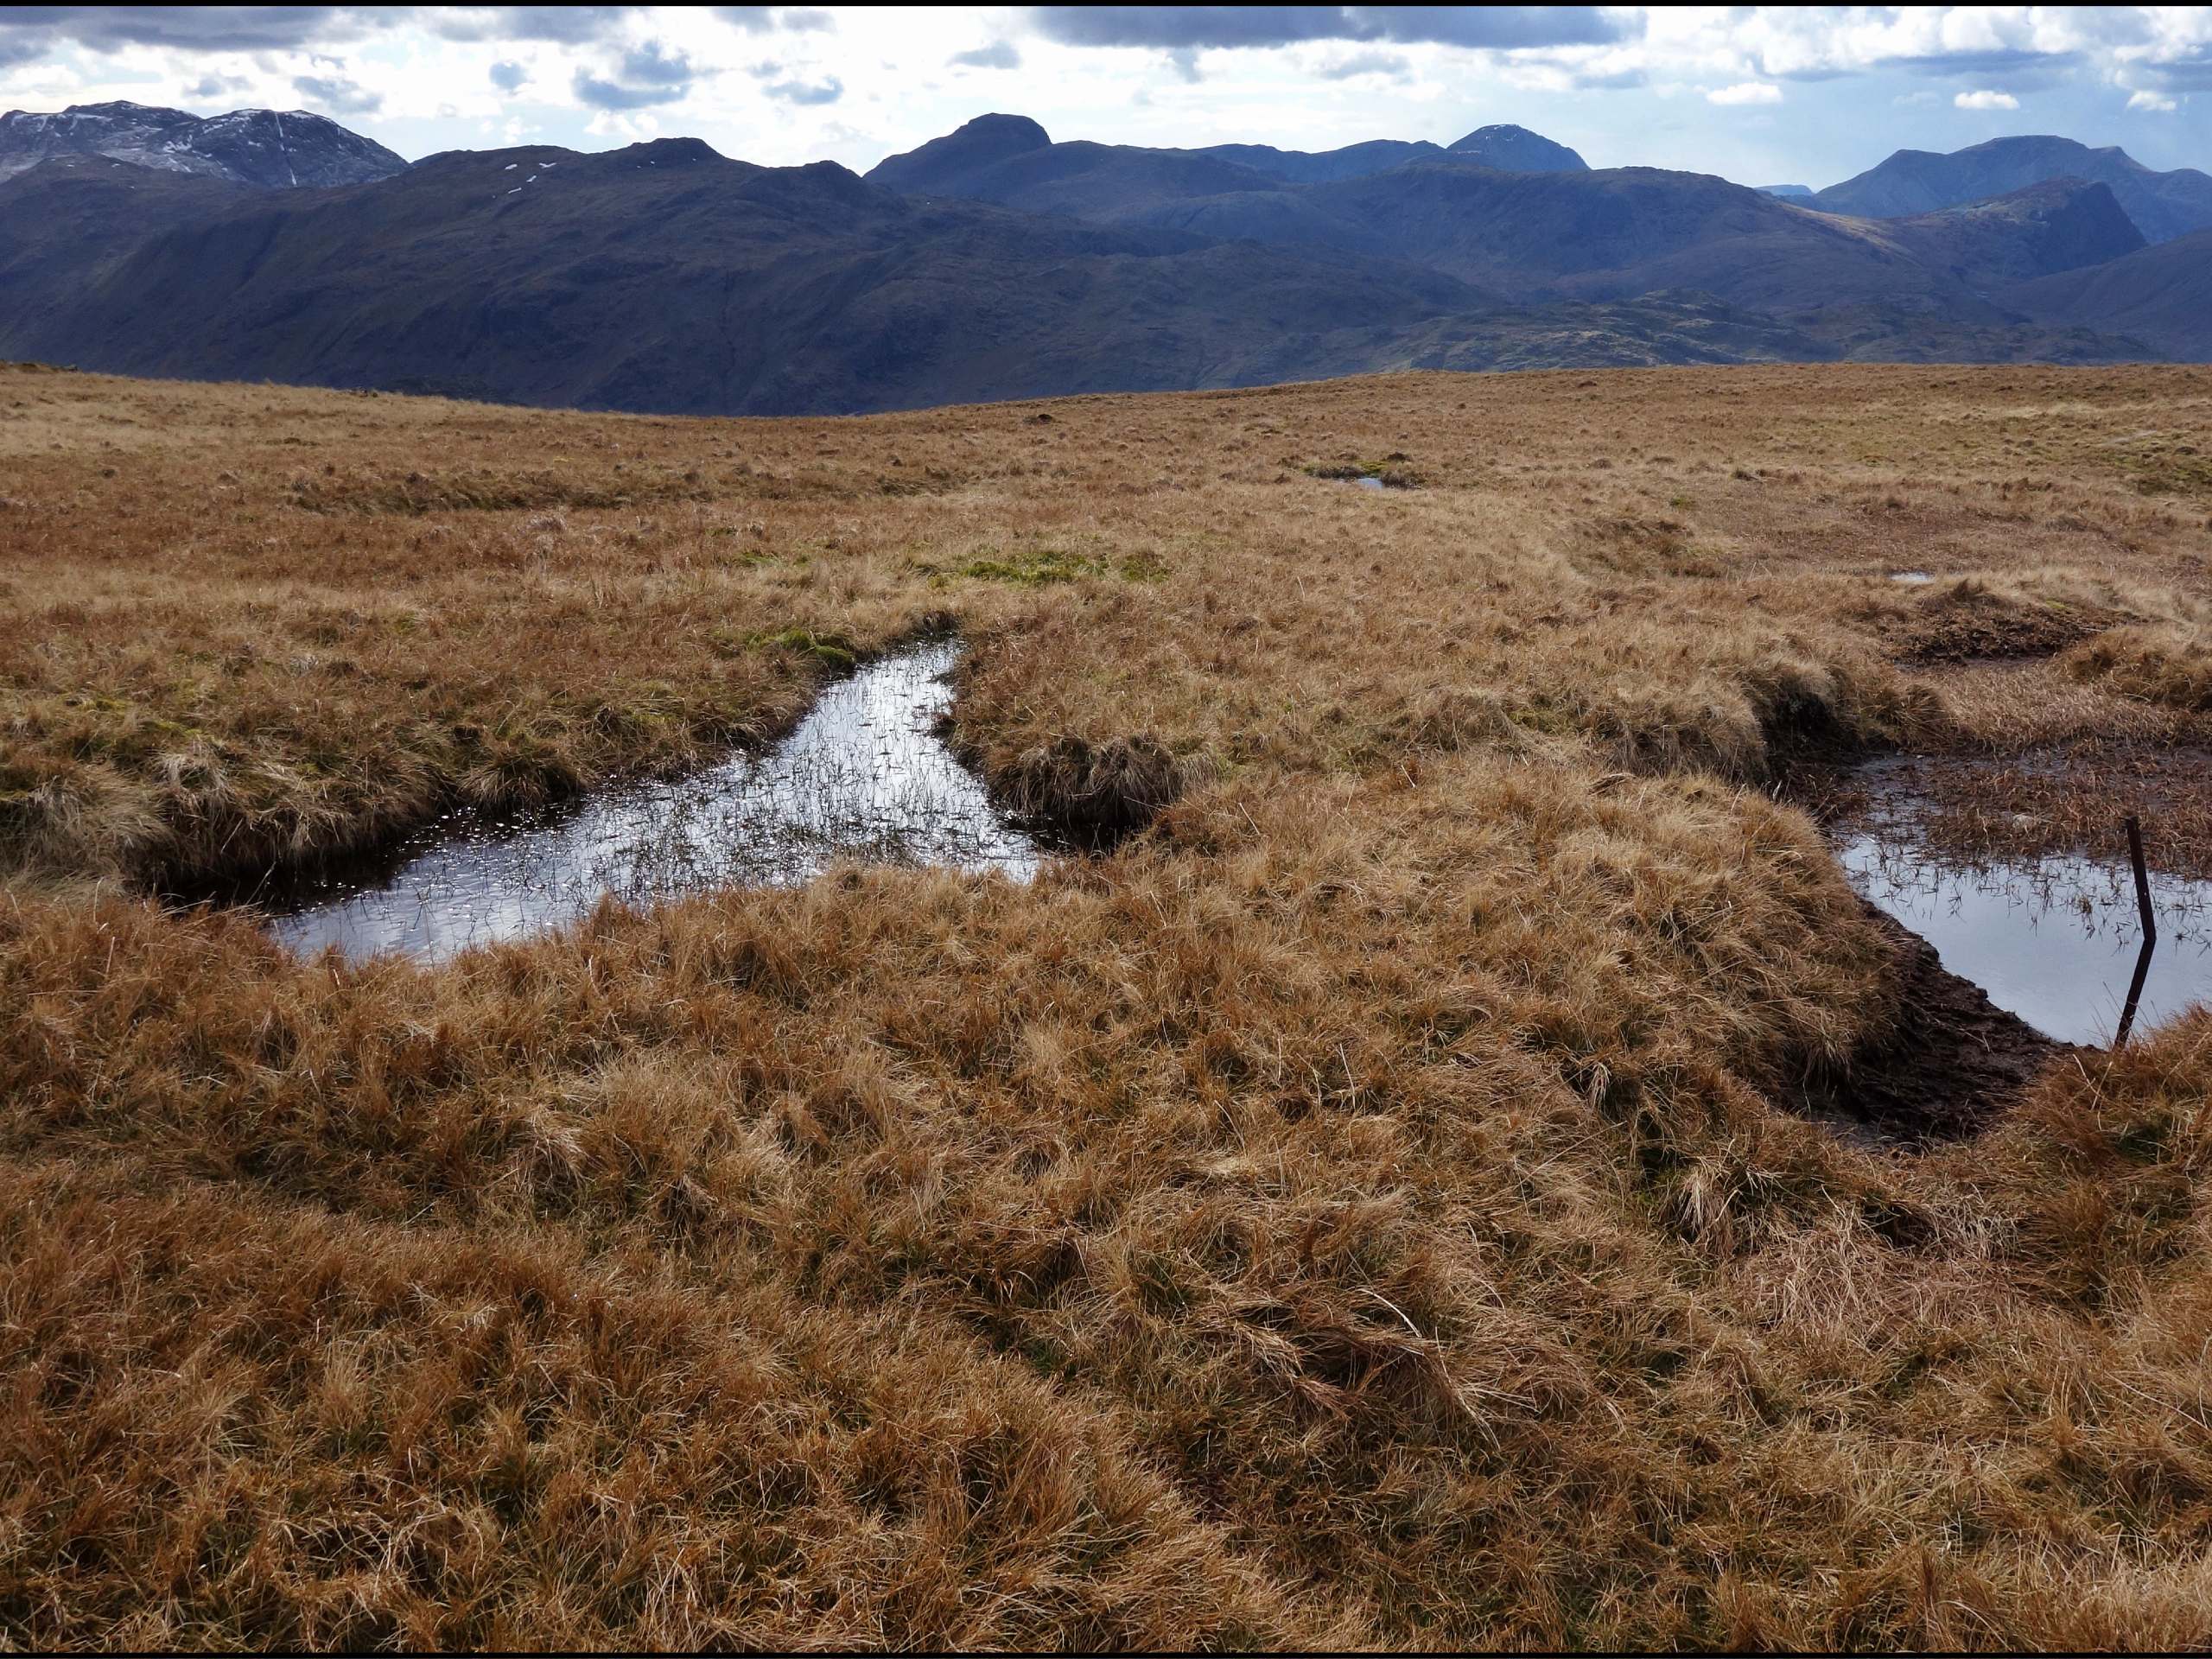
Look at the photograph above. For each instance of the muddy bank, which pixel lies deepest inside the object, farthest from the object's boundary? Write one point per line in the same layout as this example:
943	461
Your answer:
1967	622
1083	796
1952	1062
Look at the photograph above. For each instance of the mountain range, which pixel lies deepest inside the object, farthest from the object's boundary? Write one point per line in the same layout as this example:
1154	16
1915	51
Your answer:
266	147
996	262
996	155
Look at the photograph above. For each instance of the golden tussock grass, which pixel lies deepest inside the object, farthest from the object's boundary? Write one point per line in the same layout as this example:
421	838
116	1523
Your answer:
1355	1211
2165	666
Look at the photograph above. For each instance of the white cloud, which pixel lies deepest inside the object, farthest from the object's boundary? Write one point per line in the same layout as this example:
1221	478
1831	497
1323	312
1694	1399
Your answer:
1810	41
1391	64
338	92
1624	91
999	54
1986	100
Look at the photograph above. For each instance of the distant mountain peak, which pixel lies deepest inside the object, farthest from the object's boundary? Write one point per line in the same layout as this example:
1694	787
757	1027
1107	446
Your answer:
270	149
2162	205
1011	128
1494	133
673	152
2054	141
1515	149
977	144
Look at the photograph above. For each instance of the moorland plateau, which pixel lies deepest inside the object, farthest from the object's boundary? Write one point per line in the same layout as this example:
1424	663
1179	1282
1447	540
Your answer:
1371	1204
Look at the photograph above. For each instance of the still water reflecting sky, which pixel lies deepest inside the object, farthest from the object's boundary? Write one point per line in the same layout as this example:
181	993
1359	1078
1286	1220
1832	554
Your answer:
2054	940
864	775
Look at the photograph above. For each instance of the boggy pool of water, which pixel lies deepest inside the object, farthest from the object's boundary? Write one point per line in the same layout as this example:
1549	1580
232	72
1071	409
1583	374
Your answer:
2054	940
864	775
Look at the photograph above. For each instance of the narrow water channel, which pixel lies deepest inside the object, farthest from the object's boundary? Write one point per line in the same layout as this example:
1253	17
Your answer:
864	775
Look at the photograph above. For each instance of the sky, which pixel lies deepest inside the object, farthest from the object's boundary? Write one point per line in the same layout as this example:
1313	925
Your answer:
1759	94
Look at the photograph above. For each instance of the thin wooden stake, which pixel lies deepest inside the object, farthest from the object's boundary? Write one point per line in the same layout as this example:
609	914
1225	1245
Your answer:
2150	930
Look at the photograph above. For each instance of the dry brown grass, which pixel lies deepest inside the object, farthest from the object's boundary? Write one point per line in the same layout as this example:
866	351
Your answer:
1355	1211
2163	666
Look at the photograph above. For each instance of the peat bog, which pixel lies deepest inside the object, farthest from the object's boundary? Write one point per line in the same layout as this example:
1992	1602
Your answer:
1459	1164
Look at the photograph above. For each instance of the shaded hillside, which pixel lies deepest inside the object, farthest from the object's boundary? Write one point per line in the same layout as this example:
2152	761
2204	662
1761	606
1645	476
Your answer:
268	149
1592	235
2162	295
1109	184
1320	166
64	225
1527	234
2046	228
2163	205
666	277
1871	330
1646	331
1510	148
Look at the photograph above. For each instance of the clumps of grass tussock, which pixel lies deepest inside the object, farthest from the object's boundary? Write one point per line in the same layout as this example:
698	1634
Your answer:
490	1444
1095	789
489	492
1481	1209
1752	720
116	791
831	648
1238	1197
2167	666
2166	465
2116	1191
1042	566
1355	1211
311	710
1033	567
